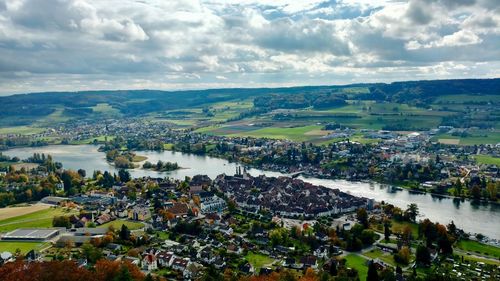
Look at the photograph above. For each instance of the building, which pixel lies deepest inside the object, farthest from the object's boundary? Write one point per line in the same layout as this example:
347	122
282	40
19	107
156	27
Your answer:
149	262
139	213
32	234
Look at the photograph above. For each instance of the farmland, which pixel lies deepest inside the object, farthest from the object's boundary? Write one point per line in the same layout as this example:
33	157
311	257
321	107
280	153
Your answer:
42	218
12	212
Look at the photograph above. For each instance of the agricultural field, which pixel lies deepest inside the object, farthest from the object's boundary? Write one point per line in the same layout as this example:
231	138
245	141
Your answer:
21	130
105	108
487	159
41	218
474	137
10	212
117	224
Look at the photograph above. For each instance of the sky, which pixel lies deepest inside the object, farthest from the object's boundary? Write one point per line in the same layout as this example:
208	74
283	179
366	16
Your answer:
72	45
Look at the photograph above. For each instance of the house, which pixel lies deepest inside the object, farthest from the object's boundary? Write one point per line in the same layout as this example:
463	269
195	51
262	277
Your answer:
139	213
32	256
179	209
165	258
309	261
193	271
321	252
102	219
82	263
211	203
6	257
149	262
114	247
132	260
180	263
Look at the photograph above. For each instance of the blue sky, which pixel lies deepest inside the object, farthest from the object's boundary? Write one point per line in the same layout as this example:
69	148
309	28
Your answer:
56	45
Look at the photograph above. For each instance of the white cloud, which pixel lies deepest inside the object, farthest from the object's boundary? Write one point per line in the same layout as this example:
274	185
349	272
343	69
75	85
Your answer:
83	44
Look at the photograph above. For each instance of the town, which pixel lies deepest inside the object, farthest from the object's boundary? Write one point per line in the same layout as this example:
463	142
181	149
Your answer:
230	227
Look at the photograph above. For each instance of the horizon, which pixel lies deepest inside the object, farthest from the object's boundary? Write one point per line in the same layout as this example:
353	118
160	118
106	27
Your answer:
236	88
209	44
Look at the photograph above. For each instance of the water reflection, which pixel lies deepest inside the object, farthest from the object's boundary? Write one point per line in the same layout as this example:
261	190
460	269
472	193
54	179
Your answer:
471	216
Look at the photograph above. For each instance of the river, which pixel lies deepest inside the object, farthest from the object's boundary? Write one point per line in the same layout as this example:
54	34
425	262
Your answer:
476	218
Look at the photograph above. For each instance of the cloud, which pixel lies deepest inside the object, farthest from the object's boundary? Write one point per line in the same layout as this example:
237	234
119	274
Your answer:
83	44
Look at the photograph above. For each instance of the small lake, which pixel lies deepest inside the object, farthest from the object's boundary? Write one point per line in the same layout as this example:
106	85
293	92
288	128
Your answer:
483	218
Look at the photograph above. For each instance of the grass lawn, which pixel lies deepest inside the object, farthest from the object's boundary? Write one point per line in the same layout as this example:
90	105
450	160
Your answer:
41	218
476	247
25	247
117	224
398	226
139	158
487	159
383	256
168	146
258	260
359	263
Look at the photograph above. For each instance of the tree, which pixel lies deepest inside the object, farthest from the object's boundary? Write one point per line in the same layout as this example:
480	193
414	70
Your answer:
412	212
124	175
124	274
82	173
362	217
124	233
372	272
387	230
61	221
423	256
403	256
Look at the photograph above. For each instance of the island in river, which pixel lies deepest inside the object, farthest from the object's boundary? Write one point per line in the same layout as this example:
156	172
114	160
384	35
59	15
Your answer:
472	217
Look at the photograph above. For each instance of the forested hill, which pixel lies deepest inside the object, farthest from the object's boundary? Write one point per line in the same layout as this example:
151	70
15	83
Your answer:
24	109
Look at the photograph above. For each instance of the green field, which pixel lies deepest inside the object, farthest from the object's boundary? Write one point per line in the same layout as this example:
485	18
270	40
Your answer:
487	159
475	137
258	260
99	139
117	224
359	263
25	247
41	218
22	130
479	248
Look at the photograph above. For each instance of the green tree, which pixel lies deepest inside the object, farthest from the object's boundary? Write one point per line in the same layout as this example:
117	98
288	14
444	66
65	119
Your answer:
124	233
123	274
362	217
372	272
387	230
